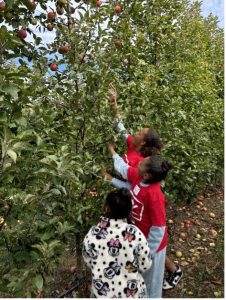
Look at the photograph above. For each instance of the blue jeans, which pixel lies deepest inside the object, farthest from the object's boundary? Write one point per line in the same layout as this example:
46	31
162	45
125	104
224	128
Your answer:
154	276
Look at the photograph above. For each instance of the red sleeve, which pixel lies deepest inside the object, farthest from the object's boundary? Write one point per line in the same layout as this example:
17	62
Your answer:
132	174
157	209
129	141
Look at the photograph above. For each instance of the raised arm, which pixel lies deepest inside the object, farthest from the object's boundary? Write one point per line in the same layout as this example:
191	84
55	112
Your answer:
119	124
119	164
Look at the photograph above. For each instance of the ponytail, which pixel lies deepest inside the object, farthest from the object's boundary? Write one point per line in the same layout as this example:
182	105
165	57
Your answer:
157	168
152	144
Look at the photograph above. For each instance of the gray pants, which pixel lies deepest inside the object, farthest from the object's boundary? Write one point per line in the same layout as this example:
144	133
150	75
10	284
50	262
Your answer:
154	276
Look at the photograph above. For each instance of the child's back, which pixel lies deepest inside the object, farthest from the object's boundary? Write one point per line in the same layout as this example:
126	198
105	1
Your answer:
117	253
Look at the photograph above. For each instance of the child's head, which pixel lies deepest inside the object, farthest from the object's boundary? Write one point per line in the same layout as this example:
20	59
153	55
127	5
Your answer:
153	169
118	204
148	141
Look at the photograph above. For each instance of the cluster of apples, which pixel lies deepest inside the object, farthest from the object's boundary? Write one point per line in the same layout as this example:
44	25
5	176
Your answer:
66	48
61	6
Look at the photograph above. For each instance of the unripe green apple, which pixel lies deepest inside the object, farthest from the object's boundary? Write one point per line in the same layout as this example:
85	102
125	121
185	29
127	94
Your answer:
34	21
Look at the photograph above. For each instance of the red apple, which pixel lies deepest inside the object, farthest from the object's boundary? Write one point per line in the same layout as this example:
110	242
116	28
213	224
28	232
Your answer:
187	222
2	6
182	235
50	27
118	9
64	49
32	4
99	3
200	198
83	59
51	15
60	10
53	67
71	9
118	43
22	34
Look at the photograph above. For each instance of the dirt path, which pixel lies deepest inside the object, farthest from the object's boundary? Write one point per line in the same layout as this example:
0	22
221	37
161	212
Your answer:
202	249
202	252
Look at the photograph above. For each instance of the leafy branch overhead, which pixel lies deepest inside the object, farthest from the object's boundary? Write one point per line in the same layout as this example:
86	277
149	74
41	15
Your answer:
57	59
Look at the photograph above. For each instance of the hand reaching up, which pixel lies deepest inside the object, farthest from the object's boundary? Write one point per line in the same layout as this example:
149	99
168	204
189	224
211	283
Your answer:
111	148
113	99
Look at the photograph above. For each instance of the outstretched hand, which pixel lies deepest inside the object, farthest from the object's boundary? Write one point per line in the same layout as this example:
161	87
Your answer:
106	175
111	148
113	98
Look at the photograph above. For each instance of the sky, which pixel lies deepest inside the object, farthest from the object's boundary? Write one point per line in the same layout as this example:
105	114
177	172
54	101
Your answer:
216	7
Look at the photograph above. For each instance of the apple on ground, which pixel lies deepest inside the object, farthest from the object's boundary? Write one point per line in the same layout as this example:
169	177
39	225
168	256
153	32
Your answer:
187	223
178	253
182	235
72	269
200	198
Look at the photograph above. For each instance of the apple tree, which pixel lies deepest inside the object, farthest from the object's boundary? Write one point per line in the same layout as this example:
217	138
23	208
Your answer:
57	60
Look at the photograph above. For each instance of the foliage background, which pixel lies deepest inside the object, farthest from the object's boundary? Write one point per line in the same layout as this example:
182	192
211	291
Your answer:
54	127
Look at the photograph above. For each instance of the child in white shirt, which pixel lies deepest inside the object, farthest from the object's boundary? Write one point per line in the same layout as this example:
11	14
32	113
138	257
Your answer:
117	252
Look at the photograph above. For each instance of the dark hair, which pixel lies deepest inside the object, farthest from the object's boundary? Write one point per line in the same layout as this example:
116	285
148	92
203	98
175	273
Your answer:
158	168
152	144
119	202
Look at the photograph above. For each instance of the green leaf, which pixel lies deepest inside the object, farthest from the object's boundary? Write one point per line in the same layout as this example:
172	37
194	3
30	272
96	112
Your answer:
11	89
38	282
12	155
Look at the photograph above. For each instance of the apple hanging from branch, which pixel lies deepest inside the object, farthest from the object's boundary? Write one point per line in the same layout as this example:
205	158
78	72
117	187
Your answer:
2	6
51	15
118	9
22	33
53	67
99	3
50	27
118	43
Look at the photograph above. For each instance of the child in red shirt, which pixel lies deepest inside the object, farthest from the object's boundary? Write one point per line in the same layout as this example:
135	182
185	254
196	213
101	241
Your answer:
143	143
148	212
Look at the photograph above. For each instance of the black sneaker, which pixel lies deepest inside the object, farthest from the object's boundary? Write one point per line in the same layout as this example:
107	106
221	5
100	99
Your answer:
172	279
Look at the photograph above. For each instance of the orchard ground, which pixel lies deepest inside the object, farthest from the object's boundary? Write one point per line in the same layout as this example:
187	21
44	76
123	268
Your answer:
202	251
